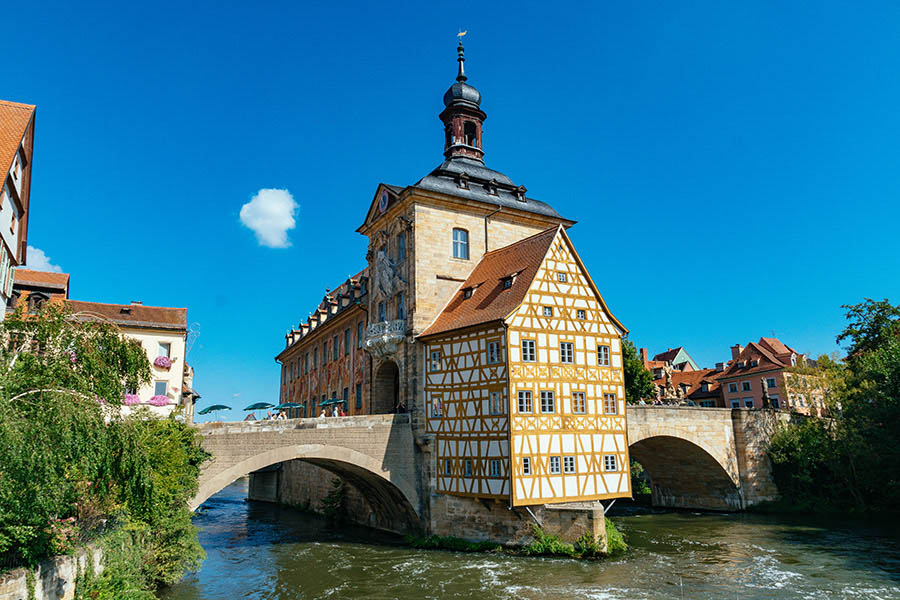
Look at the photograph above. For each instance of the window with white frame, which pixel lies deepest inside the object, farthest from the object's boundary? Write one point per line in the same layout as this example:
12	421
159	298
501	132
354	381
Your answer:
568	464
496	401
732	388
525	406
609	462
566	353
771	382
164	349
160	388
548	403
554	465
435	363
495	467
461	244
561	277
548	311
603	356
526	466
468	467
745	386
578	403
580	313
528	350
493	352
610	405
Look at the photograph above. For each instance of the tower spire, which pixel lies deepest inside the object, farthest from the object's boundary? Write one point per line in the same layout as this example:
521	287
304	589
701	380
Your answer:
461	76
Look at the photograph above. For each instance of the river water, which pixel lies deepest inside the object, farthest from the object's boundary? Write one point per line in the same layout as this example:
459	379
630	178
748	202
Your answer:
264	552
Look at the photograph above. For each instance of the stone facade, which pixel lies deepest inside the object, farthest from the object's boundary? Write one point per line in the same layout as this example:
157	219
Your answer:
54	578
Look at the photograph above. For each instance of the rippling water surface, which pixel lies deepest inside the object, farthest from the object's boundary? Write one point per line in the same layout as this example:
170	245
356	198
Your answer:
260	551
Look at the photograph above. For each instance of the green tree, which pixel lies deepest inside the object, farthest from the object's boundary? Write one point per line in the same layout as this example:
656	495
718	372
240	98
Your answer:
871	323
638	380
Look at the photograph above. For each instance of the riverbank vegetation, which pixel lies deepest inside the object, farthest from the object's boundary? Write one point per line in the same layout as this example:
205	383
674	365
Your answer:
851	462
543	544
73	470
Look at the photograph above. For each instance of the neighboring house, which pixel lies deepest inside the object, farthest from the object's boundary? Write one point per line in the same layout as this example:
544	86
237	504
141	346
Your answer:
324	357
700	387
32	289
763	368
467	237
677	358
16	149
163	334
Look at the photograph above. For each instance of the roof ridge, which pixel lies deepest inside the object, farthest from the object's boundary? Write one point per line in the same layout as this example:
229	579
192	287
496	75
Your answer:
554	229
18	104
129	305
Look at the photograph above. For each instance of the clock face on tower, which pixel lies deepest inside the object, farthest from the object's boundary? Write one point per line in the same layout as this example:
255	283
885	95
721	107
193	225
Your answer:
383	201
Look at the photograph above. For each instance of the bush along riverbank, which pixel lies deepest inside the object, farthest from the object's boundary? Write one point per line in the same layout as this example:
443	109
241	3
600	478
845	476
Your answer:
850	463
74	471
544	544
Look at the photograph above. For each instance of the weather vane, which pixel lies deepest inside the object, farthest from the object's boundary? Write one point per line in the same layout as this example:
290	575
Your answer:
461	34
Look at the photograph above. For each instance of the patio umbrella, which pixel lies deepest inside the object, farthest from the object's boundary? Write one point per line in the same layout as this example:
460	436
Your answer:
259	406
287	405
213	408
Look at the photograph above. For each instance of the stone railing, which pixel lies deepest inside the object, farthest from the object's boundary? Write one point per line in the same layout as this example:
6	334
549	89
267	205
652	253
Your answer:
383	339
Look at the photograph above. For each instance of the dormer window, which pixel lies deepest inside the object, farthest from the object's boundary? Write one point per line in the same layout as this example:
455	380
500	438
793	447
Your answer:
520	193
754	363
471	134
467	292
793	360
462	182
491	187
508	281
704	387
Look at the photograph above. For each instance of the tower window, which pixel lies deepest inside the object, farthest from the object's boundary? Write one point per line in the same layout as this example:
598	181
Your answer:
470	134
461	244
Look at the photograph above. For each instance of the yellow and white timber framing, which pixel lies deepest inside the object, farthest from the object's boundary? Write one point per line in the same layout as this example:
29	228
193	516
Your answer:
488	446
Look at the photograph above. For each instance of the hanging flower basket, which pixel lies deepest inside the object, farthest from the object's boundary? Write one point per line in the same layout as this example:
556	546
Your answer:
162	362
132	399
159	400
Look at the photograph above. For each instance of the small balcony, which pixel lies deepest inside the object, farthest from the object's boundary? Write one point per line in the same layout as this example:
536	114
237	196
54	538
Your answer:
383	339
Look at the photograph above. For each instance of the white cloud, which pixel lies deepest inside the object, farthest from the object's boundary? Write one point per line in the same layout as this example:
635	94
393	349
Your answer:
36	260
270	214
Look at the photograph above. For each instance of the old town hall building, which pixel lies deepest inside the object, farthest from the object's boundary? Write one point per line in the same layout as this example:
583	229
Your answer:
477	316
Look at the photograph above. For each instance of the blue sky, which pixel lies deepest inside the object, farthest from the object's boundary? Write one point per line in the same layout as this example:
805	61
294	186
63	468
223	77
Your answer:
733	169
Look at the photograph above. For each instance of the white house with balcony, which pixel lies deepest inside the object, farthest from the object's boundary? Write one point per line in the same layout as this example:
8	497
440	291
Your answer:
163	334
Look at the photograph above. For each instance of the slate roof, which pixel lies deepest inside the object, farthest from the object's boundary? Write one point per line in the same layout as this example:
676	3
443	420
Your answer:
445	179
489	301
14	120
133	315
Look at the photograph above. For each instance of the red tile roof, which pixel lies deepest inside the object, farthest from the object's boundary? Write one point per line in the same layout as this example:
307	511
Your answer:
695	379
668	355
14	120
44	278
753	351
489	300
132	315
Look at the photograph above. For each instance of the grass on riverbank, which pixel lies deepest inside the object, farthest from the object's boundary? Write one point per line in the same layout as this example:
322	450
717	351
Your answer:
544	544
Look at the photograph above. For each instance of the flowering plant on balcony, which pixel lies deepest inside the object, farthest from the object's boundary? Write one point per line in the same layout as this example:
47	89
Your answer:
162	362
159	400
132	399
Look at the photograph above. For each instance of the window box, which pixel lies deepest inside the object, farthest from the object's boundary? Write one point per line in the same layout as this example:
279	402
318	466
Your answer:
131	399
158	400
163	362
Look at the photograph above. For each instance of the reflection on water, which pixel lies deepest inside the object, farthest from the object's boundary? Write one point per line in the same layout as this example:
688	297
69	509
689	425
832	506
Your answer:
261	551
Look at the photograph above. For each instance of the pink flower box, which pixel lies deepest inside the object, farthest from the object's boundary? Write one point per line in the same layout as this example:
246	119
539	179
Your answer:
162	362
159	400
132	399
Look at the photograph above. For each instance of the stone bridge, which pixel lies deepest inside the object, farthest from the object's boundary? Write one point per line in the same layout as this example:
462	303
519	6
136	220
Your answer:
373	453
704	458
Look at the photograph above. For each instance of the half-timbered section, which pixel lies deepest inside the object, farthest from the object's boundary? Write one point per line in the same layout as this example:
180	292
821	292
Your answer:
524	387
324	359
567	422
467	403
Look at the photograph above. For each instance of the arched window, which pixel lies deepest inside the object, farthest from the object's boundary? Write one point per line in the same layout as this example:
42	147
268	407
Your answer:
461	244
470	133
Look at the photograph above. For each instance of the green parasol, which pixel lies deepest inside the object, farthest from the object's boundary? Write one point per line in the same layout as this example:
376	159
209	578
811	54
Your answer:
213	408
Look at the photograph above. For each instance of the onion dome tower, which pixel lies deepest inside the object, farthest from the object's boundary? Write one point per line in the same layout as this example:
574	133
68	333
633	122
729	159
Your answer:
462	116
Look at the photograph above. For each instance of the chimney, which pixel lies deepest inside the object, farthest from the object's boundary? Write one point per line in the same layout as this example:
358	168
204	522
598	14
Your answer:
137	302
736	351
720	366
644	357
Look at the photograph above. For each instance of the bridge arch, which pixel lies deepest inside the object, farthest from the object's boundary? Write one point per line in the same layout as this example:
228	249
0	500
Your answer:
392	497
687	473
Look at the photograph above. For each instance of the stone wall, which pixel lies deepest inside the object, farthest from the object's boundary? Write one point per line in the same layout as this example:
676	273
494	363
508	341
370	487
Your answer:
54	578
752	431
